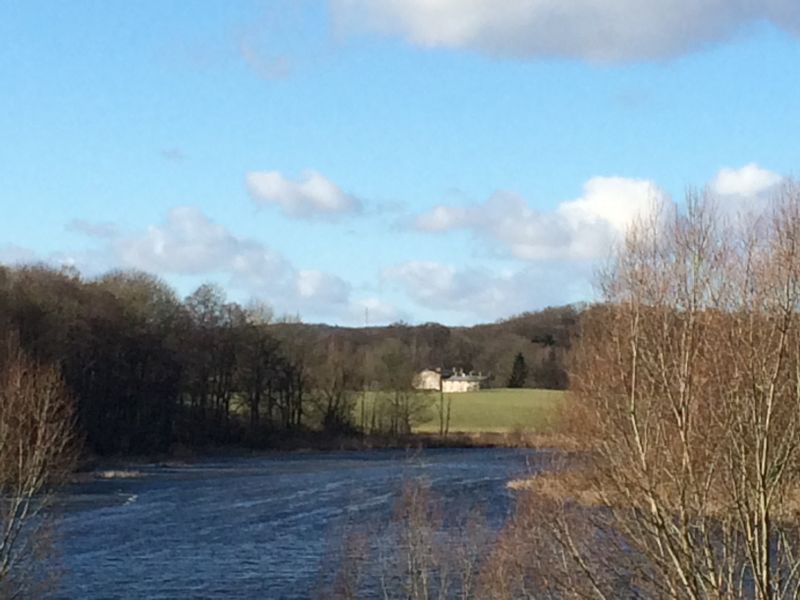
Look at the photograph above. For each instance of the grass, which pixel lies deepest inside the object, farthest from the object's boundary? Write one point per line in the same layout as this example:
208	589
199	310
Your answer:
493	411
496	411
500	411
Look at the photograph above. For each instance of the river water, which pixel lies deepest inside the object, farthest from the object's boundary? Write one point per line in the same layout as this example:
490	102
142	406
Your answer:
254	527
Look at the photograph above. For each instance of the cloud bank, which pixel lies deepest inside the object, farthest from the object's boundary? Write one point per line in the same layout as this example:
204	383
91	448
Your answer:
555	250
540	257
595	30
580	229
188	243
486	294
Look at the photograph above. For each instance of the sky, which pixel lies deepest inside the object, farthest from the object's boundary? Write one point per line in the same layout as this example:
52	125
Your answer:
353	161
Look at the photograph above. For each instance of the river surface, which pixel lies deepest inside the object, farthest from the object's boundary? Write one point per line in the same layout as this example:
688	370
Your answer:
255	527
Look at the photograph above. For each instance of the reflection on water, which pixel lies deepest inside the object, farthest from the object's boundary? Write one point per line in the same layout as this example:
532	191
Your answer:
256	527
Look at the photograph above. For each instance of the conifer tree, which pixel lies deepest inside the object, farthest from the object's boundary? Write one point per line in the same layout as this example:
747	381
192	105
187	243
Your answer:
519	372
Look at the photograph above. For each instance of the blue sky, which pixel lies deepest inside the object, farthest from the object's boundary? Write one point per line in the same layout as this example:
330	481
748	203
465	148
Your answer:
448	160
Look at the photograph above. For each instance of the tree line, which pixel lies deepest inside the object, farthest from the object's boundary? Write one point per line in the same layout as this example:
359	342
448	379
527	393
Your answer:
148	370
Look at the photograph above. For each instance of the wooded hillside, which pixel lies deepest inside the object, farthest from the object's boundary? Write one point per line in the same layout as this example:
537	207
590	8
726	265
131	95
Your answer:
149	370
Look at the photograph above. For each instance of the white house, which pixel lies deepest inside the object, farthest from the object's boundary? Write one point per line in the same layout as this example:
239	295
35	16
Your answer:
453	381
462	383
428	380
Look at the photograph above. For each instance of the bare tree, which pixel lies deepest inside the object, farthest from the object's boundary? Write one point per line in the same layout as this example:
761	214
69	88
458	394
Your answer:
687	396
443	407
38	449
422	553
337	380
404	407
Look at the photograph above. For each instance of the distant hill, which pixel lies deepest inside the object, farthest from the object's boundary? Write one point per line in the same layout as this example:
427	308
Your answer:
542	337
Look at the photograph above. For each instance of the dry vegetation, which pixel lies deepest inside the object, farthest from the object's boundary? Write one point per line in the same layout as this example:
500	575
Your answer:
419	554
38	451
687	401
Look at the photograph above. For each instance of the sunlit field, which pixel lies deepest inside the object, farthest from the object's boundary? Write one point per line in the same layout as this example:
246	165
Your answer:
500	410
491	411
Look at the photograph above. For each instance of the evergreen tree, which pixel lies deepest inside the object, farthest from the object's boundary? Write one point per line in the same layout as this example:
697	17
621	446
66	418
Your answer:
519	372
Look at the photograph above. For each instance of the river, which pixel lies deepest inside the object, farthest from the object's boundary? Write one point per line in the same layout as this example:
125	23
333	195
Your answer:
254	527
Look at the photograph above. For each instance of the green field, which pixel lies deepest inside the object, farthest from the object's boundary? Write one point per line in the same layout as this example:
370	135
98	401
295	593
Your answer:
494	411
500	411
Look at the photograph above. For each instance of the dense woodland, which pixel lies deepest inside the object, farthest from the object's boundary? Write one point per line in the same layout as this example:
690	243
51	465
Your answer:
149	371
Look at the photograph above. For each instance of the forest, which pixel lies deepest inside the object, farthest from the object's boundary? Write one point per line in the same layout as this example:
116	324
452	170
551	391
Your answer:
150	372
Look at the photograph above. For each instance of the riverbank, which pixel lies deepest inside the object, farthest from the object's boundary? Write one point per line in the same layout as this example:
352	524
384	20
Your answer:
124	466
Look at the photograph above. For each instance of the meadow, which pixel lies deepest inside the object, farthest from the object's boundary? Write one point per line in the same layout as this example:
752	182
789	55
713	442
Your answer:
499	410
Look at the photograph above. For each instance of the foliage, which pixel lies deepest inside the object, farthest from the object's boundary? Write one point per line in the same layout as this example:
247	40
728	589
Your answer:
149	371
519	372
543	338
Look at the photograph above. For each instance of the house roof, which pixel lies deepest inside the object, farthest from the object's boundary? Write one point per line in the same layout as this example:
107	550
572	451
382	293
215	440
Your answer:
453	375
466	378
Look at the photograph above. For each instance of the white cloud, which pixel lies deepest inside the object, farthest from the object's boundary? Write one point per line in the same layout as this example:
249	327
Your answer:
580	229
322	287
189	243
561	245
597	30
442	218
748	181
743	193
488	294
312	196
439	286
